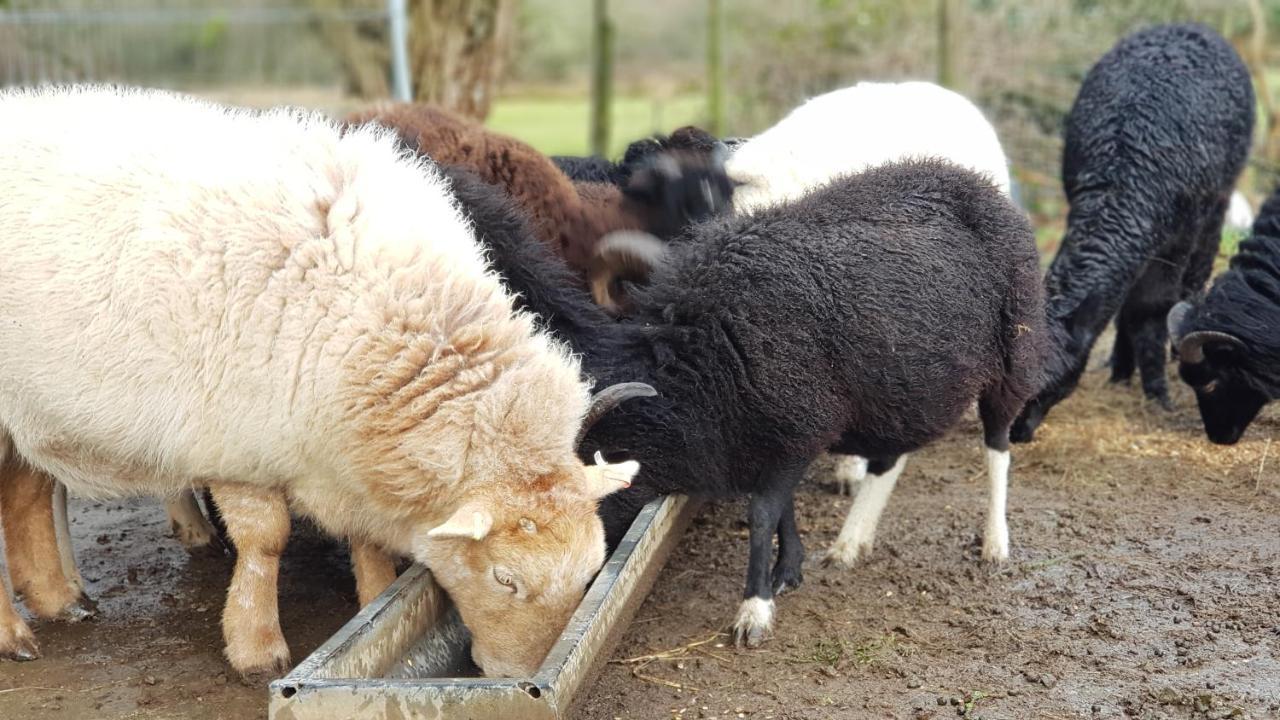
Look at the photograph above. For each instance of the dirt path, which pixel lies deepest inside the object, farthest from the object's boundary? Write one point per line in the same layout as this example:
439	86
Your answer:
1144	582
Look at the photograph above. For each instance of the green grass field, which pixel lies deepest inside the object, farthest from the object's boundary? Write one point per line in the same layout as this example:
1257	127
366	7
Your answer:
559	126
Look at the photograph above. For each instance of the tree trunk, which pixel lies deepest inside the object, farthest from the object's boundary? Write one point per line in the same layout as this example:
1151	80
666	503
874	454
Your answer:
601	77
364	59
457	49
946	44
1257	61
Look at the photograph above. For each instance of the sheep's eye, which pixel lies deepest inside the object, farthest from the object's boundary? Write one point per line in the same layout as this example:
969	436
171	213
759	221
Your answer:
505	578
528	526
1210	386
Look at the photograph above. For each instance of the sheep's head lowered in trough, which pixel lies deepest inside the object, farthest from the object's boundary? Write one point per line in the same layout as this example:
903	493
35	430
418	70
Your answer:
1216	366
517	565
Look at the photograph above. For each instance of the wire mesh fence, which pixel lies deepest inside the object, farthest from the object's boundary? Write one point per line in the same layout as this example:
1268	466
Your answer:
1020	60
243	51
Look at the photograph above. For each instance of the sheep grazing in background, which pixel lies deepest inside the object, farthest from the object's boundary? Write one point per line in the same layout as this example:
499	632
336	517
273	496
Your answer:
1228	342
858	127
594	169
663	191
1239	213
1157	136
294	317
937	303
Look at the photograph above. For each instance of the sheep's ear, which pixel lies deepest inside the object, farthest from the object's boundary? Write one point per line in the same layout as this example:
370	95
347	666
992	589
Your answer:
605	478
471	521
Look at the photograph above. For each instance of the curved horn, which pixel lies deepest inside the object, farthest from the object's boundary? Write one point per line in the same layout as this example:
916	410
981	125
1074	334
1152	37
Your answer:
622	255
1191	347
1177	315
609	398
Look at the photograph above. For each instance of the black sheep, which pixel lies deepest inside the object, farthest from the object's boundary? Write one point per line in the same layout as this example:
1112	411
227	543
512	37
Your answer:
597	169
1154	142
863	318
1228	343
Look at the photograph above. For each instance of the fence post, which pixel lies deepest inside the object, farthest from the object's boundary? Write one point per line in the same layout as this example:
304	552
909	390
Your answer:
715	66
397	15
601	77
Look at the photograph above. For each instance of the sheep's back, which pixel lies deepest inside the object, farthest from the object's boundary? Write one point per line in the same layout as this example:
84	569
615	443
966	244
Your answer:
184	282
892	293
1167	114
855	128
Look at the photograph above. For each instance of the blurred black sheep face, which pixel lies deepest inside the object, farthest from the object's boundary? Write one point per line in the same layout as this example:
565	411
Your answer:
1228	403
680	189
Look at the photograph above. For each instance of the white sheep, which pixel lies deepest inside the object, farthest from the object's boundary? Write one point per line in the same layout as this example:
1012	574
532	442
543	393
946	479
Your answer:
854	128
297	318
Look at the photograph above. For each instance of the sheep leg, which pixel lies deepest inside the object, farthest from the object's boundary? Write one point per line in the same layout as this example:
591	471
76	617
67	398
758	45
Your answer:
17	642
1150	340
859	532
28	511
374	570
754	622
787	571
62	528
191	527
997	412
850	471
1122	366
257	520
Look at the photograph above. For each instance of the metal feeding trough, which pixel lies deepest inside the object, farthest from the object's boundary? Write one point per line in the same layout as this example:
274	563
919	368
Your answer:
384	663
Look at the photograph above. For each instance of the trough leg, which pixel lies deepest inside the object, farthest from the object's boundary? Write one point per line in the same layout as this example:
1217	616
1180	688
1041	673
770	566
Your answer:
258	522
191	527
754	622
29	507
859	532
374	569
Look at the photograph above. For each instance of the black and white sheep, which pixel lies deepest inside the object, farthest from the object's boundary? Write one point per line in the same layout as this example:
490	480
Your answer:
592	168
864	318
1154	142
1228	342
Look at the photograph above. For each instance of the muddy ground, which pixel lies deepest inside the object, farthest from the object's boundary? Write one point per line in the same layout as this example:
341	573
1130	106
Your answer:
154	651
1144	582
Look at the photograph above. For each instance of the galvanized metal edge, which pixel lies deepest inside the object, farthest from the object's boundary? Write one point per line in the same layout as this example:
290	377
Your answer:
340	679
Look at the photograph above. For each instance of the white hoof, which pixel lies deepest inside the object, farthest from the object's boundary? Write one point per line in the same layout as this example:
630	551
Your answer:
847	551
755	622
995	544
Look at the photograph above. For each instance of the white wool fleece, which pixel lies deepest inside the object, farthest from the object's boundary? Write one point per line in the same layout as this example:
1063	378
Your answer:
855	128
191	292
